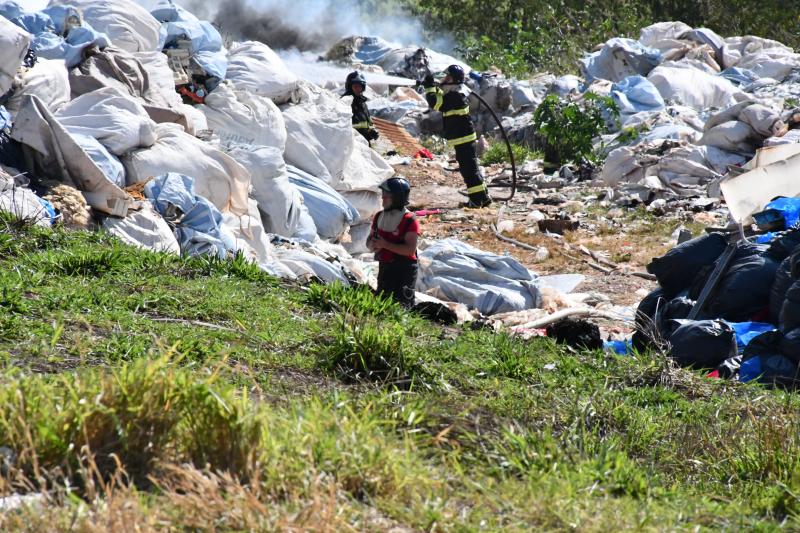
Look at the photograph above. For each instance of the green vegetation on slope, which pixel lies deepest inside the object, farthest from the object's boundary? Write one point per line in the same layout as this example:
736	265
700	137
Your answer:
521	36
141	390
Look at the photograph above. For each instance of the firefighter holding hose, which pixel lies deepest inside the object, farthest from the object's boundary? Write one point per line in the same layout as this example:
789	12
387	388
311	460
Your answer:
451	99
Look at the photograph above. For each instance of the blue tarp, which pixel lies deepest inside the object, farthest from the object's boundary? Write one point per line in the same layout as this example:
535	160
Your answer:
788	207
48	25
747	331
635	94
618	347
197	220
108	163
329	209
206	42
768	368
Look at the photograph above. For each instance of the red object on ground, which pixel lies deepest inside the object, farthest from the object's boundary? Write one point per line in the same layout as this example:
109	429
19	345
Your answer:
428	212
713	375
423	153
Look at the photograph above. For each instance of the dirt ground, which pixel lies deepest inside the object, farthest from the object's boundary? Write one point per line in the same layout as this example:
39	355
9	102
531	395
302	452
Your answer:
629	238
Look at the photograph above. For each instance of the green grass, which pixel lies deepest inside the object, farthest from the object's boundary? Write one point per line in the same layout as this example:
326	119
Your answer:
142	389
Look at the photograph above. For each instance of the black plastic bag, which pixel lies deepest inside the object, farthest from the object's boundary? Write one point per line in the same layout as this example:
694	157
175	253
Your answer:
579	334
768	343
729	367
790	311
780	286
784	245
646	330
676	269
790	346
744	290
702	343
676	309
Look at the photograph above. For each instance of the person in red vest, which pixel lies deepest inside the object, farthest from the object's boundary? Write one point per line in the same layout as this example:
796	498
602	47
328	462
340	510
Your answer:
393	238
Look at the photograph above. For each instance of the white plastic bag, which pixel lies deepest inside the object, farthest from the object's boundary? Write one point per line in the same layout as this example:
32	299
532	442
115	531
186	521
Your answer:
320	136
365	168
144	228
243	118
694	88
218	177
49	80
254	67
128	25
117	120
14	43
278	199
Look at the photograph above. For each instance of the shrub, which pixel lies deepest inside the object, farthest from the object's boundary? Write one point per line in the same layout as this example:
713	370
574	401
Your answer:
498	153
567	129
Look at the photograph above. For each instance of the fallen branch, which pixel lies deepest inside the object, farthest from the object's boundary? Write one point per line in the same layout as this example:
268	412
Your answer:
577	312
197	323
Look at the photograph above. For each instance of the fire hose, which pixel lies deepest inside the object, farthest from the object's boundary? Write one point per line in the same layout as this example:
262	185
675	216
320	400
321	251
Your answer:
511	158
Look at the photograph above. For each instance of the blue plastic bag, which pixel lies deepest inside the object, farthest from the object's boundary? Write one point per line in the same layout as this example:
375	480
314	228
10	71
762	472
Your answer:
618	347
635	94
747	331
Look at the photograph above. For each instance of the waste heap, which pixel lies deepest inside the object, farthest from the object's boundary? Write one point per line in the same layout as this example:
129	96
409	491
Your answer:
146	125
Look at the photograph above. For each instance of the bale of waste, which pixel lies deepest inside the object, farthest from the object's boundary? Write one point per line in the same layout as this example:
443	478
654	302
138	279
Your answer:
48	79
129	26
332	214
702	343
254	67
144	228
14	43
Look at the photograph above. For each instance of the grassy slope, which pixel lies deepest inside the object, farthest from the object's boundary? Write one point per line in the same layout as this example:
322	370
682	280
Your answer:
215	389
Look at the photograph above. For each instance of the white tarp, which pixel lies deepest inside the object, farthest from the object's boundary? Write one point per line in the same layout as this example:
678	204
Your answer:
129	26
63	159
117	120
14	43
694	88
240	117
144	228
255	67
454	271
279	200
218	177
49	80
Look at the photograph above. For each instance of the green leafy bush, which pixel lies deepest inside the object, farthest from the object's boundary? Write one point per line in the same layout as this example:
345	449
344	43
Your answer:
567	129
498	153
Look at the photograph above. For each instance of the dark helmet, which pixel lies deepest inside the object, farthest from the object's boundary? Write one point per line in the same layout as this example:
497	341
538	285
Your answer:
354	78
456	72
399	189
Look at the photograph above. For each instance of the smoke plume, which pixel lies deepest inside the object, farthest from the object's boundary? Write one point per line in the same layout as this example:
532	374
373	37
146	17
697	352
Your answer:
308	25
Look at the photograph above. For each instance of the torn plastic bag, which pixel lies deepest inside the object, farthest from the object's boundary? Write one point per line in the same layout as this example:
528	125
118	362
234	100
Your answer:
677	268
198	223
14	43
49	80
254	67
702	343
620	58
788	208
218	177
61	158
127	24
144	228
70	49
26	205
242	118
332	214
110	165
780	286
33	23
670	312
454	271
744	289
635	94
117	120
279	200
